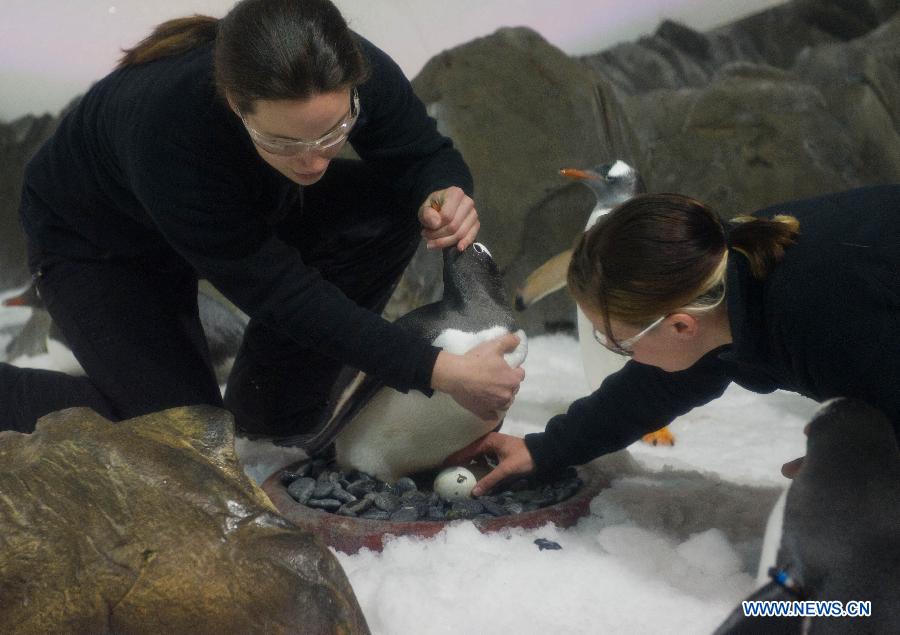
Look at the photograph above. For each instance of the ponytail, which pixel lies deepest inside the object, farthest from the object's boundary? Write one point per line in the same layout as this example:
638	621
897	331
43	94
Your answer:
171	38
763	241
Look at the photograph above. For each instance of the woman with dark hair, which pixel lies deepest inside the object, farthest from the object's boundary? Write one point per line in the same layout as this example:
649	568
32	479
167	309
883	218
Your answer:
803	296
211	152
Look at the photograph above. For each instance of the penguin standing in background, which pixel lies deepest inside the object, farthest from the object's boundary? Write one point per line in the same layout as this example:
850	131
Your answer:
388	434
840	536
612	184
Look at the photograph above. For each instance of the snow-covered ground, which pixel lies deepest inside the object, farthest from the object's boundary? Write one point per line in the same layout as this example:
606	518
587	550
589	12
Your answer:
670	548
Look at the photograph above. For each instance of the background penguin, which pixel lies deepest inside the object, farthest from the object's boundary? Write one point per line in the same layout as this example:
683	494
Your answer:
612	184
223	324
841	527
388	434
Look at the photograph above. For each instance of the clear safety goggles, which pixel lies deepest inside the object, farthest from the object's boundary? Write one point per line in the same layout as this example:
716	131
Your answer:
330	142
625	347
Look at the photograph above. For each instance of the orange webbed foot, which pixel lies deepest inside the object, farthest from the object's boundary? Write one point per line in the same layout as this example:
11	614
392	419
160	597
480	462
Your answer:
660	437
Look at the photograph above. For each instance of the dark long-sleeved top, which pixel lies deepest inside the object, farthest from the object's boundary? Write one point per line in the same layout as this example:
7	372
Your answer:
824	323
153	164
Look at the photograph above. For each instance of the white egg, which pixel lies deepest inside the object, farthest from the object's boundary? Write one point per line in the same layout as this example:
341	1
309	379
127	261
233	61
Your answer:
454	483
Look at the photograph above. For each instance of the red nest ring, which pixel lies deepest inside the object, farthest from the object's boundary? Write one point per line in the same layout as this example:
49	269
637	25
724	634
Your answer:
349	535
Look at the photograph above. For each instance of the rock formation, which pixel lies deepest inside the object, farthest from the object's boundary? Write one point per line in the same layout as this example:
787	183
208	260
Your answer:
150	525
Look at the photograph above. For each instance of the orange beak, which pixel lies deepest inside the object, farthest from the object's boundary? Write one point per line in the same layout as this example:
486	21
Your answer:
16	301
575	174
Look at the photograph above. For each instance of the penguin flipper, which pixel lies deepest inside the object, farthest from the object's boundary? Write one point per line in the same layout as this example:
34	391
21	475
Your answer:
352	391
546	279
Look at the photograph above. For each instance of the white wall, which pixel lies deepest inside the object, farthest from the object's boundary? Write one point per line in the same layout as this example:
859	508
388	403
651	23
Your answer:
51	50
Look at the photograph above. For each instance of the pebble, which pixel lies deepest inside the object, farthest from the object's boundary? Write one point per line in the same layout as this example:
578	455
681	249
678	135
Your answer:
387	502
324	485
464	509
301	489
407	513
362	487
342	495
328	504
493	508
543	543
405	484
376	514
356	507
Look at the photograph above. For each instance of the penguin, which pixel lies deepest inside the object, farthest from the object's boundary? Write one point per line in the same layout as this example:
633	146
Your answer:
387	434
612	184
841	527
223	324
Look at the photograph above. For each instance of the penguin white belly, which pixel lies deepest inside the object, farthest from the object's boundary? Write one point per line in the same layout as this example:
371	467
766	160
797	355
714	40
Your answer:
62	358
599	362
396	434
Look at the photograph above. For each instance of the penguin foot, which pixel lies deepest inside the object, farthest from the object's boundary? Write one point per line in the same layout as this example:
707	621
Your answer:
660	437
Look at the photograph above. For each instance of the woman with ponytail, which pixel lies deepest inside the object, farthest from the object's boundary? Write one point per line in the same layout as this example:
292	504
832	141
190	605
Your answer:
803	296
211	152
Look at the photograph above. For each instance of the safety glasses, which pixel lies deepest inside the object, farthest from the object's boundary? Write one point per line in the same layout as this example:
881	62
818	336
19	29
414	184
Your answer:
330	142
625	347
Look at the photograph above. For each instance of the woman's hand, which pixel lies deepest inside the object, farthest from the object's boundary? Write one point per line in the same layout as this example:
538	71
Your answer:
480	380
512	452
449	218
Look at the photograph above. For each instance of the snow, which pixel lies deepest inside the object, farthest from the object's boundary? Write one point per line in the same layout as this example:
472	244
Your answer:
671	547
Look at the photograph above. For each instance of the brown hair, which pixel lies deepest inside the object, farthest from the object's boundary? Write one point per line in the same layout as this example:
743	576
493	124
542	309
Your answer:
657	253
266	49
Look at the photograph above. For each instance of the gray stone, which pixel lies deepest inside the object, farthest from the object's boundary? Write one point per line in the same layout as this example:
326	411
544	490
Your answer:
342	495
302	489
328	504
387	502
407	513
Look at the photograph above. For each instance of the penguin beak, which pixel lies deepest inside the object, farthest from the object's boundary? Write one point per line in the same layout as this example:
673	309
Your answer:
16	301
580	175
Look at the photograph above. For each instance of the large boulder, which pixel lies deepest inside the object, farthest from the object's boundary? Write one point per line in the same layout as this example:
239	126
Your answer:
518	109
860	81
754	136
150	525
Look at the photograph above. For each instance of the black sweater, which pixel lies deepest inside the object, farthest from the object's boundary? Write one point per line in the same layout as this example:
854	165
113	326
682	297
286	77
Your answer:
824	323
153	164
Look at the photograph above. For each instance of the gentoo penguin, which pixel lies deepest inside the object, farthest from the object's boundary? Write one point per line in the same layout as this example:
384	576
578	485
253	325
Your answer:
387	434
223	324
612	184
841	527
